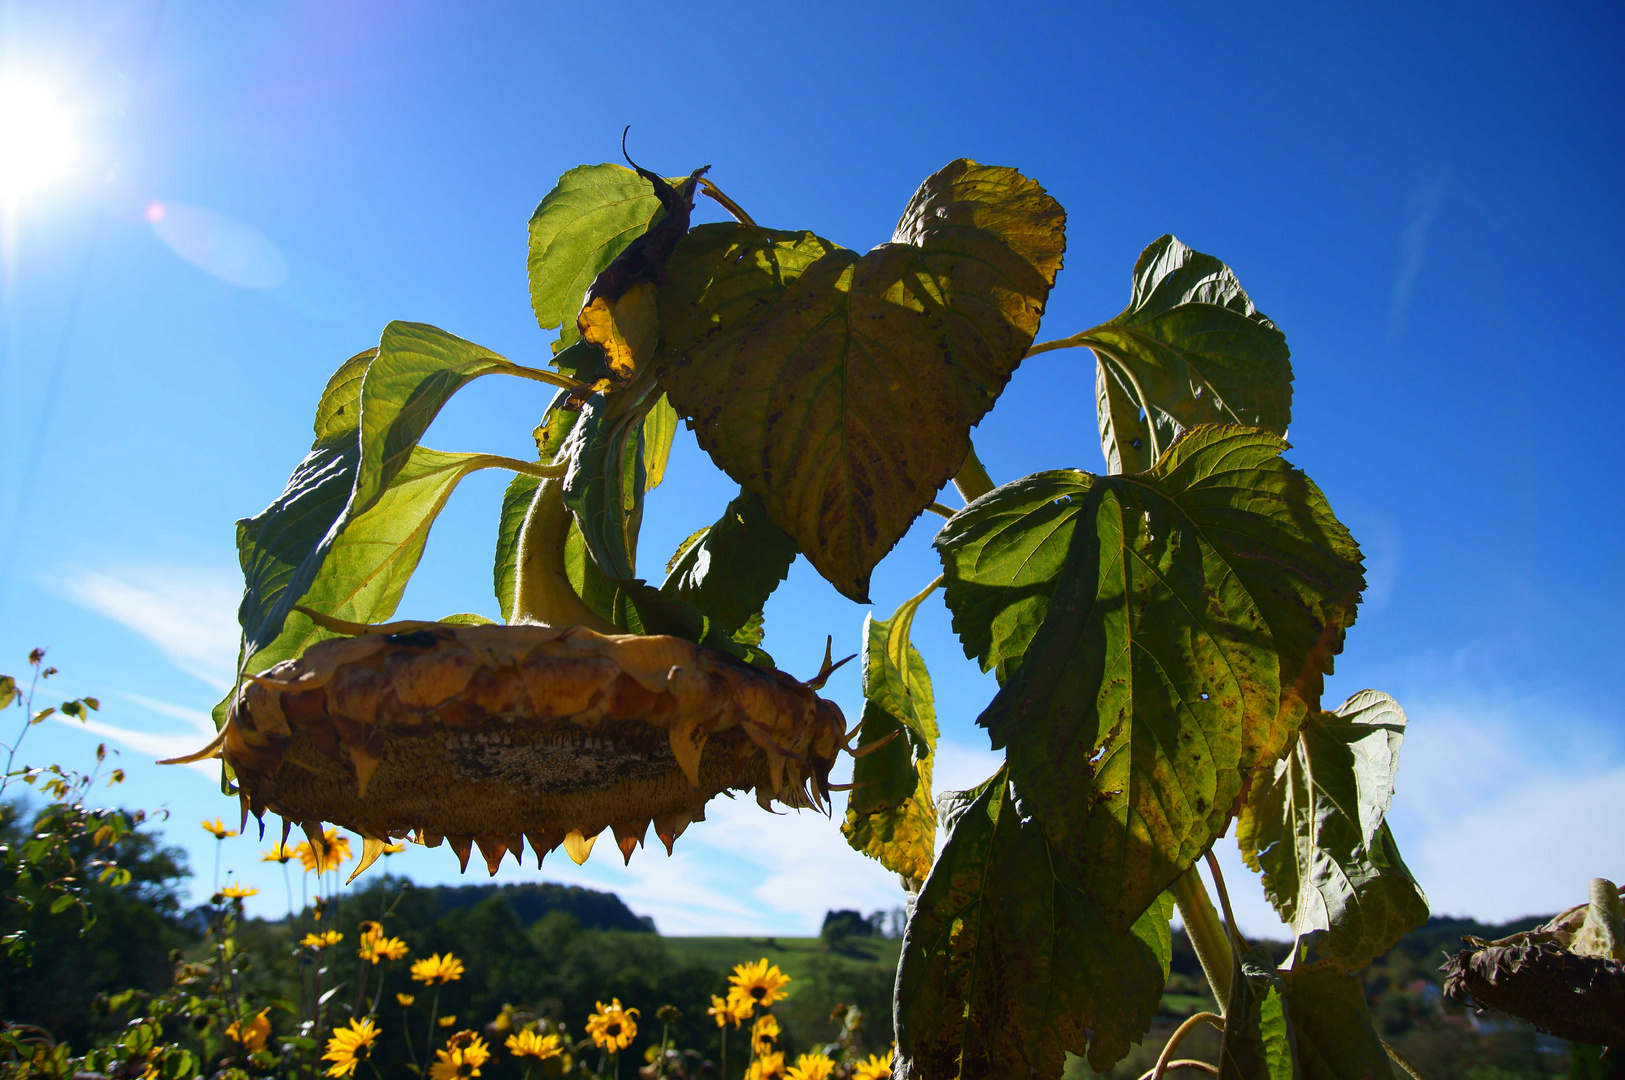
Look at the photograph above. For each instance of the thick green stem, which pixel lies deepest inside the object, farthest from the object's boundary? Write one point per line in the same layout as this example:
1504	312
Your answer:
542	591
972	480
1207	934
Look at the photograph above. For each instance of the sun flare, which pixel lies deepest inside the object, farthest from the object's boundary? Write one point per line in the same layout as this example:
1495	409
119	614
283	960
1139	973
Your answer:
36	140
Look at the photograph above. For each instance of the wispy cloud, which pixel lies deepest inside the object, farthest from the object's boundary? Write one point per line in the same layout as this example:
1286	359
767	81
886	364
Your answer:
1420	211
188	612
152	745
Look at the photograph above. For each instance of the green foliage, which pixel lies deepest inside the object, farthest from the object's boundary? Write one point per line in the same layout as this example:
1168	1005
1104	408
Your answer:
1160	632
800	387
1195	611
1190	349
1316	831
1335	1036
578	229
892	818
1010	962
730	568
1258	1037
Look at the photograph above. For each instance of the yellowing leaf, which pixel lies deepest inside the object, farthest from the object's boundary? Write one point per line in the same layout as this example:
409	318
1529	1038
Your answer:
892	817
840	388
625	328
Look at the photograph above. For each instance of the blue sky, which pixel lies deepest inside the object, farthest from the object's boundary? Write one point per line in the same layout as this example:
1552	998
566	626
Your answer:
1424	197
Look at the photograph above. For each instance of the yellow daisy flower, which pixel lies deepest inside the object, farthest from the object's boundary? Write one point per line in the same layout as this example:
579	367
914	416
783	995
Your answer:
335	850
463	1056
531	1044
763	1033
253	1034
406	1000
766	1067
279	853
611	1026
448	1020
876	1068
350	1046
321	940
238	892
811	1067
437	969
395	847
218	828
730	1010
757	983
375	946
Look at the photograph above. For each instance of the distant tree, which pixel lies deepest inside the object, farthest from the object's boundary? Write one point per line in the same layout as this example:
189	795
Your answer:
841	926
136	925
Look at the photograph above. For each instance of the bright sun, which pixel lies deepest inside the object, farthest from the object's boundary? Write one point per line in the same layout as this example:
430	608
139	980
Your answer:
36	144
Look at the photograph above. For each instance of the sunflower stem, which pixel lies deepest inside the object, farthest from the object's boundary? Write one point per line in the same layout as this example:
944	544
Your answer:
1212	946
542	590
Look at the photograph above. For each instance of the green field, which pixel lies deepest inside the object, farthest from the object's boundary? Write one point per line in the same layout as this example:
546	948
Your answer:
860	972
795	956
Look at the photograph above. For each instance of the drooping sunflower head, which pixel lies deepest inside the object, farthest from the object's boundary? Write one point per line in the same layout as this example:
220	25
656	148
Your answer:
502	735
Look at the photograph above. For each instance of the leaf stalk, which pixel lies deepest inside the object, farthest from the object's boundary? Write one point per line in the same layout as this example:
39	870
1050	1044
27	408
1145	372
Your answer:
1165	1060
972	479
717	195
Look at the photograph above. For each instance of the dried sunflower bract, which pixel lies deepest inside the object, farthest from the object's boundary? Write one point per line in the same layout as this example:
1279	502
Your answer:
498	735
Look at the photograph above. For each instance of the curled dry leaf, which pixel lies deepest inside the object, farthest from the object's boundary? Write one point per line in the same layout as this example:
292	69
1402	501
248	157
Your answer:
498	735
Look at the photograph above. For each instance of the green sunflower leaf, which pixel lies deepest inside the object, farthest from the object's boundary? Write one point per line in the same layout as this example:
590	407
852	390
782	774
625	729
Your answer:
417	370
516	502
1336	1039
282	547
841	389
1001	556
590	216
1258	1040
729	570
1316	832
892	818
1008	963
1199	606
1189	349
